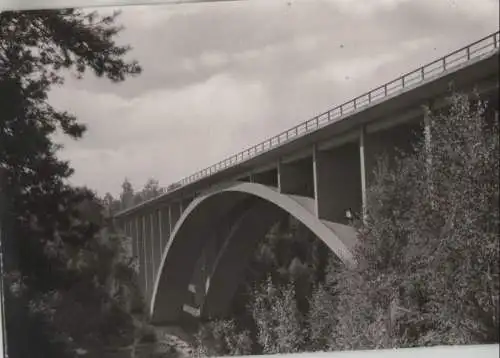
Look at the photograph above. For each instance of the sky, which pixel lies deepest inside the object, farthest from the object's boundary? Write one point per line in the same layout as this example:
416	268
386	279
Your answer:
220	77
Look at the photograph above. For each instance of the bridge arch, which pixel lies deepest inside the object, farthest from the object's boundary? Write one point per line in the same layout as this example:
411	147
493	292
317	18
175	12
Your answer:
184	247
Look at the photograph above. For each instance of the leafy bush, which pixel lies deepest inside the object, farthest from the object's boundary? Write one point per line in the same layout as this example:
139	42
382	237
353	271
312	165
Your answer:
280	324
222	338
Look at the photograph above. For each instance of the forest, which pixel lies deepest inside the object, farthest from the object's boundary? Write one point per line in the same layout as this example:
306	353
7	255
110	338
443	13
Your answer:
429	272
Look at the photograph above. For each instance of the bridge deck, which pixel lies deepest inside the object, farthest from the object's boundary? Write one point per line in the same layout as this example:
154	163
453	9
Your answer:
455	61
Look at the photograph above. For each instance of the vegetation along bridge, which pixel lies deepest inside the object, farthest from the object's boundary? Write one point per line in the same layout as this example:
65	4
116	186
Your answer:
193	242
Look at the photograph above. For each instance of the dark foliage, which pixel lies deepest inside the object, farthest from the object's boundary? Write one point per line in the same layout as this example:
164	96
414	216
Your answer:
50	220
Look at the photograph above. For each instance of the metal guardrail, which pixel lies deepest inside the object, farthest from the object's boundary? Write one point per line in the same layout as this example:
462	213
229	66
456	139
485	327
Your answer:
431	70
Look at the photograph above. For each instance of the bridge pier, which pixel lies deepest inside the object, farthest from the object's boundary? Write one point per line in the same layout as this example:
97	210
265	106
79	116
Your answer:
337	174
148	247
155	245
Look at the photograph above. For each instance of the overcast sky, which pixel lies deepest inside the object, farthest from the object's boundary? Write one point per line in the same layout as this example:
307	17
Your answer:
220	77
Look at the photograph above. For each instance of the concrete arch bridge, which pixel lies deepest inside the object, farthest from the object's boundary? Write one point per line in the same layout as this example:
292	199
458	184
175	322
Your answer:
193	242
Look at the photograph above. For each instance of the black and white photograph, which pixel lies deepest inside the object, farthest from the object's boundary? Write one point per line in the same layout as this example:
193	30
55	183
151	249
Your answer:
289	178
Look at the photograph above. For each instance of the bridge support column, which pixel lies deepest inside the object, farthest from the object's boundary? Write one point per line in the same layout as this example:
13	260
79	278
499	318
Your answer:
296	177
170	221
337	182
155	244
142	261
362	166
165	228
148	264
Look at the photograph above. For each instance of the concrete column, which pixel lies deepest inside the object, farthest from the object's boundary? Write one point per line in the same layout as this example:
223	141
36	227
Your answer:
161	219
150	246
296	177
337	182
165	228
170	221
145	247
362	170
315	177
155	244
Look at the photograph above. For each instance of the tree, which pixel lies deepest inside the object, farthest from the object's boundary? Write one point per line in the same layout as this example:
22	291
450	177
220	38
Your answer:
127	195
151	190
48	229
173	186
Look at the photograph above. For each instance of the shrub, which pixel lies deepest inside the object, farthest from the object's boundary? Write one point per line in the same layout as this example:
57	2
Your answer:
280	326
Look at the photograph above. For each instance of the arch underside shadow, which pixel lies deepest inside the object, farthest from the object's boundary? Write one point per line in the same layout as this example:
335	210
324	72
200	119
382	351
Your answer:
252	209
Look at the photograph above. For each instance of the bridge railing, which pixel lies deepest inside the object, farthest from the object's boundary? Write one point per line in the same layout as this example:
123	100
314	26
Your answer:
431	70
408	80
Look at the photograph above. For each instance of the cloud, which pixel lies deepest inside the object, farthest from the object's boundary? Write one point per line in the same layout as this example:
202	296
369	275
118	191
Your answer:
165	134
220	77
